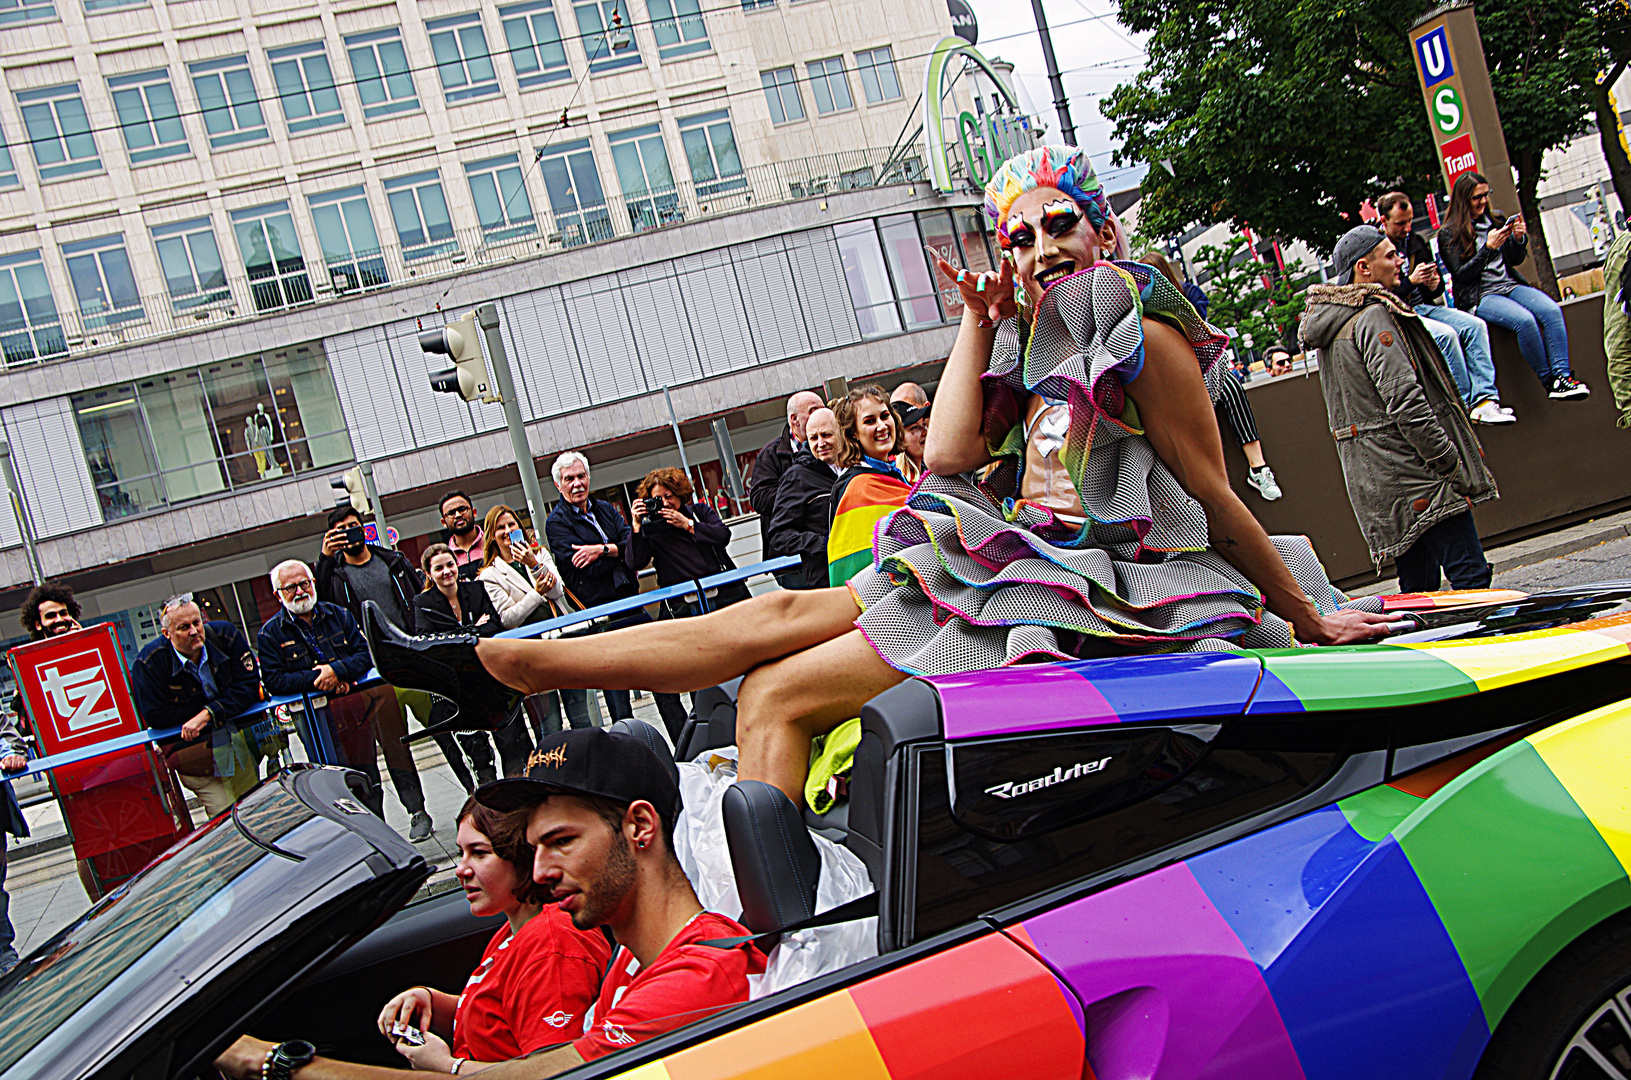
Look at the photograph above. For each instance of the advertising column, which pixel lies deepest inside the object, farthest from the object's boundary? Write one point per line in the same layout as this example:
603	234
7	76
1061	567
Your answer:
1461	108
121	808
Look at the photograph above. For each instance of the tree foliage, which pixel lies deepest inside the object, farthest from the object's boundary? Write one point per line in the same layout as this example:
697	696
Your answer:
1238	299
1276	114
1286	114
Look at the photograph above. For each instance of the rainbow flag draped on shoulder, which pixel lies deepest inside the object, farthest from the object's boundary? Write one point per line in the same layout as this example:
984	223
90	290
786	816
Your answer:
863	496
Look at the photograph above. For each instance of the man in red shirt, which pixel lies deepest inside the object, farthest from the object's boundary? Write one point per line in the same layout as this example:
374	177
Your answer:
602	809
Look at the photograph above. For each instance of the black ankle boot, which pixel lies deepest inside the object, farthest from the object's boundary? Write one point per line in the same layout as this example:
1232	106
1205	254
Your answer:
441	664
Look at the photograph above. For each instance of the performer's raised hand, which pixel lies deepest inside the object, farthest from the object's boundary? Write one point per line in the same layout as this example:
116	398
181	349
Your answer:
989	294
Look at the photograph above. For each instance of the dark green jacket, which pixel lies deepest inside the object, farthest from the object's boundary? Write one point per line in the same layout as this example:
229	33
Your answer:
1409	455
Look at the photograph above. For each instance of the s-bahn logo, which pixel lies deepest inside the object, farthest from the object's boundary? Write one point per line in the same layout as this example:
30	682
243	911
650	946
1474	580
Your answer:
76	690
1433	54
1011	789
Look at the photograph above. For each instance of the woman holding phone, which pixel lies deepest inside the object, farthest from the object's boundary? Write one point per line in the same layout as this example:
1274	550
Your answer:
1482	249
519	580
536	979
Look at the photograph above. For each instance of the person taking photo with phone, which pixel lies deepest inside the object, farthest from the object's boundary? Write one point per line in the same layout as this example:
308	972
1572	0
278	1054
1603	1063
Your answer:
1482	249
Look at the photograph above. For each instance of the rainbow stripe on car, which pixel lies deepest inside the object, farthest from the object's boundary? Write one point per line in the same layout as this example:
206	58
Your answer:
1384	935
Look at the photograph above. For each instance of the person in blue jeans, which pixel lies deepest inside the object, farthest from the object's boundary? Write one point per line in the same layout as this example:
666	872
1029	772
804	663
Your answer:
1461	336
1482	249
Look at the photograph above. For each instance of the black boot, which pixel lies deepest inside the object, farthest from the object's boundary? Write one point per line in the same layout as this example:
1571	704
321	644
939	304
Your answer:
441	664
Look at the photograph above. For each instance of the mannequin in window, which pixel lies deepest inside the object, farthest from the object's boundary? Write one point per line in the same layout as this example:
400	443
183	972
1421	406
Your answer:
258	436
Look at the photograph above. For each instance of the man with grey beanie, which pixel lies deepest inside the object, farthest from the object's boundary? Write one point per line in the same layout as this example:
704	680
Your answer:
1411	462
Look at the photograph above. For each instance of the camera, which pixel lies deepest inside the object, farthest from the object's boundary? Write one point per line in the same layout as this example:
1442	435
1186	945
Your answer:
654	508
354	536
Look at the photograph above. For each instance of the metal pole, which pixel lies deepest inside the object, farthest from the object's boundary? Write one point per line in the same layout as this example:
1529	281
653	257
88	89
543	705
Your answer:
674	422
727	459
487	316
367	470
1061	104
19	509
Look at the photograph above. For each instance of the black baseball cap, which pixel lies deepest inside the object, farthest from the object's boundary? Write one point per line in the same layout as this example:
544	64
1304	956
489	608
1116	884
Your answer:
588	761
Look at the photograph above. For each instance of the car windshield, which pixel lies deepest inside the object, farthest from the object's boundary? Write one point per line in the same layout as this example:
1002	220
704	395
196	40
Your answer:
138	929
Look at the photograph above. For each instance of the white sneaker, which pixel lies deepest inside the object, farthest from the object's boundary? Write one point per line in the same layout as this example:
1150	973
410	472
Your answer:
1489	412
1263	481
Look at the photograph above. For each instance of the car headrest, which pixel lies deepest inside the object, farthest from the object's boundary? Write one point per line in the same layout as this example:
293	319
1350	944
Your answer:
774	858
713	726
652	738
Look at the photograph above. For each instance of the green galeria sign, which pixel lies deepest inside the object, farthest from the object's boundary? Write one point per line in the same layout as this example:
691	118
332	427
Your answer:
983	139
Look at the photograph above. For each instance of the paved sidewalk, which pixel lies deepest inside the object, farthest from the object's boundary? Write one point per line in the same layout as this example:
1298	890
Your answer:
1510	560
43	881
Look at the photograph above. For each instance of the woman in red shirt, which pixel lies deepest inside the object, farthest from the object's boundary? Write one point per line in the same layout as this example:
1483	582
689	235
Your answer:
535	982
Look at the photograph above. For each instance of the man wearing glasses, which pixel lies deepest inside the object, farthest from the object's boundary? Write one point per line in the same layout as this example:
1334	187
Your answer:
198	677
465	538
315	647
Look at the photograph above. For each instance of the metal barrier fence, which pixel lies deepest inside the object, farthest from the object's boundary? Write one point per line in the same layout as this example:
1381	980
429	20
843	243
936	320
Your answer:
316	737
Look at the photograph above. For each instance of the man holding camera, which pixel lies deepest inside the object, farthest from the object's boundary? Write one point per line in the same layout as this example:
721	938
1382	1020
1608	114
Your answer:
349	571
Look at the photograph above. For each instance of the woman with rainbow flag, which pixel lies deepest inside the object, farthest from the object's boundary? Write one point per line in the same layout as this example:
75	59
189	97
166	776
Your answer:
870	487
1074	504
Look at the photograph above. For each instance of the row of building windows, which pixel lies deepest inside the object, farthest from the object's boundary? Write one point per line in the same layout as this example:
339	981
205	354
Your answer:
182	435
268	246
64	145
187	434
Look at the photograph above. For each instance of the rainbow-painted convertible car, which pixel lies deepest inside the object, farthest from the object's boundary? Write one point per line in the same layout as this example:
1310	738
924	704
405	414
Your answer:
1400	860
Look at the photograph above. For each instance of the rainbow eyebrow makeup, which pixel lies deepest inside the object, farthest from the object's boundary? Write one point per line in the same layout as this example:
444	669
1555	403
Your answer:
1061	217
1017	234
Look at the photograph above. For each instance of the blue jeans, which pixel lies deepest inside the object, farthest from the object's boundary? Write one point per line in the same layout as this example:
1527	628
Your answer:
1452	545
1538	322
1463	338
8	953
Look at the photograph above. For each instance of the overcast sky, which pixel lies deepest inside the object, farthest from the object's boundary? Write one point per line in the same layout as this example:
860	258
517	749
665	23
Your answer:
1095	54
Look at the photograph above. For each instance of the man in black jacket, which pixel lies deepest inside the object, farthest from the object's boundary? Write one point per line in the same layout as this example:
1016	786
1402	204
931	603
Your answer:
803	500
589	540
350	571
199	677
315	647
768	467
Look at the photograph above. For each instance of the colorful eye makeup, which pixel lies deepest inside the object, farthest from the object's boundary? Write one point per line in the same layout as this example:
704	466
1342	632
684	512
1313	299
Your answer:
1061	217
1018	233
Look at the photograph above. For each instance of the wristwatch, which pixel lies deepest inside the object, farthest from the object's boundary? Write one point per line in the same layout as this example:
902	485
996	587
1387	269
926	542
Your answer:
284	1058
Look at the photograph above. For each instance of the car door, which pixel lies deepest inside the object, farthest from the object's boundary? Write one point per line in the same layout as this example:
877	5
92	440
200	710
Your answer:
984	1008
162	973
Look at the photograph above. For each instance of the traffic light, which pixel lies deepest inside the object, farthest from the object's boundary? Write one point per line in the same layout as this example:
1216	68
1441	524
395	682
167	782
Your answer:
468	376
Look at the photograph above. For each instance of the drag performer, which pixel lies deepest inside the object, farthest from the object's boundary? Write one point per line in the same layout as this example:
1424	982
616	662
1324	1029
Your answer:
1105	524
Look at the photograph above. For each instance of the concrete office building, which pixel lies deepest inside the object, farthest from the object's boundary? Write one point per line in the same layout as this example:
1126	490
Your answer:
222	224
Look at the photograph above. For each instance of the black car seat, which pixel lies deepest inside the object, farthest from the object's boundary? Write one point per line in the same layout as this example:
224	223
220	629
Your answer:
772	854
652	738
713	725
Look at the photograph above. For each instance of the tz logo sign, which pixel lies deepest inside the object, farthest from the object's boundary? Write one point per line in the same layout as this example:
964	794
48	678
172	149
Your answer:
77	690
1433	54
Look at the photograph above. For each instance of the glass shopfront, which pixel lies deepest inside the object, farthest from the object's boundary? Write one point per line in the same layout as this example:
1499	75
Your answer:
225	426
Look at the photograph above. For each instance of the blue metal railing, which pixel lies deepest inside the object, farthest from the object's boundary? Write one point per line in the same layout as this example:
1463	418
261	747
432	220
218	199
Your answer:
315	733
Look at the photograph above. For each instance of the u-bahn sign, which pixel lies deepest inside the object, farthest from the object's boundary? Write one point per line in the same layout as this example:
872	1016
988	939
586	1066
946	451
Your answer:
1461	112
982	139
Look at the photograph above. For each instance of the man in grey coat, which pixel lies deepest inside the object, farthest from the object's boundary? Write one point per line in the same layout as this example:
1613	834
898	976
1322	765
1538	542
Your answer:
1412	464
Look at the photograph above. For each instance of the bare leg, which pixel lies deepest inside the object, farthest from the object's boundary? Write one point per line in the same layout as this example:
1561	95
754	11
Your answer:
784	704
676	655
1254	453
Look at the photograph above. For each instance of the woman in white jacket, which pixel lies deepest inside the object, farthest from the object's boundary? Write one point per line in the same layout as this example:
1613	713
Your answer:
520	601
517	598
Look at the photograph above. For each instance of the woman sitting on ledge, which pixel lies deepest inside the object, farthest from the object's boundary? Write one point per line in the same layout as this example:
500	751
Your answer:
1106	526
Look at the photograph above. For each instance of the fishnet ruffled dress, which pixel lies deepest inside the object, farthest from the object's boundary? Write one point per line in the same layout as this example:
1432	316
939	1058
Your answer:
965	577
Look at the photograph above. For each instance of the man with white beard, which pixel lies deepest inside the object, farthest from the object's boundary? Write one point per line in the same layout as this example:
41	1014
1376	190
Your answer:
313	646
